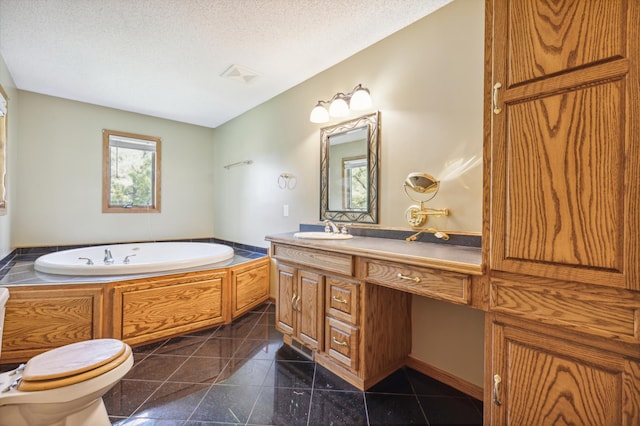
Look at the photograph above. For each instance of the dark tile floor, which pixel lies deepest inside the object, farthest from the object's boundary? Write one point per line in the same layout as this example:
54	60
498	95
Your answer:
242	373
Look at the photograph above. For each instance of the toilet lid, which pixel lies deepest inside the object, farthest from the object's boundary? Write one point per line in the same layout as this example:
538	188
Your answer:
40	385
72	359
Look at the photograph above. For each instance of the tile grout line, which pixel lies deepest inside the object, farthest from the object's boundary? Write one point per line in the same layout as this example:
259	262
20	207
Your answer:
170	375
215	382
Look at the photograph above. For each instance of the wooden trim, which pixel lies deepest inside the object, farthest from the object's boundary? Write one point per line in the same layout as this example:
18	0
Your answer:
462	385
106	174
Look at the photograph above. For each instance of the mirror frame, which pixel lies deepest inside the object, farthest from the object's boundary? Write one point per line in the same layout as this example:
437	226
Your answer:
372	122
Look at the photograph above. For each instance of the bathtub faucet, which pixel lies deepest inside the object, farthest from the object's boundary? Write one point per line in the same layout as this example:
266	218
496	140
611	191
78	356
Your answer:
126	258
108	259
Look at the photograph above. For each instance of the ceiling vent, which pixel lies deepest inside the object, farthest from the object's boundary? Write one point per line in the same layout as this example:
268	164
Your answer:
239	73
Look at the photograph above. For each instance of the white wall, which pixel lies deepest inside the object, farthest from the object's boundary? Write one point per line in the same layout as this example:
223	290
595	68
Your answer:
6	220
59	175
427	82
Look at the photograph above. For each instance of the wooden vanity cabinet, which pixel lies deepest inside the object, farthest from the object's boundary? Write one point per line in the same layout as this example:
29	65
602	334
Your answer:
562	125
300	291
359	331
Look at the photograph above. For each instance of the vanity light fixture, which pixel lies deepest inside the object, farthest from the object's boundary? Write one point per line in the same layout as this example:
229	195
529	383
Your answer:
340	104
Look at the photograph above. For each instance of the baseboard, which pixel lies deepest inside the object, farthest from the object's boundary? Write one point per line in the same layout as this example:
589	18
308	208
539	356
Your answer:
462	385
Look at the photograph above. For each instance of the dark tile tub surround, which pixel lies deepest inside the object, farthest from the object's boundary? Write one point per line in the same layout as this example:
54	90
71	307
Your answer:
242	373
396	234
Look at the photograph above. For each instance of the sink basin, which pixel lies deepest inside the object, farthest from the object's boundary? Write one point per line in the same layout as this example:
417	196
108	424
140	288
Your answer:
322	236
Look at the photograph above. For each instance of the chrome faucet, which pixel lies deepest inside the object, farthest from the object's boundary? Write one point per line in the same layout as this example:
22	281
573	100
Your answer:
330	227
108	259
126	258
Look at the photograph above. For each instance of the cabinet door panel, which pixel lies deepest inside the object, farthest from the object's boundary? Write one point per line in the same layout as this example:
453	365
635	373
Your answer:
249	287
160	311
550	37
565	163
286	297
310	312
38	320
565	200
546	380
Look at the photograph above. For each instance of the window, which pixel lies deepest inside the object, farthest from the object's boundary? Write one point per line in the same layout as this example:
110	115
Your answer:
354	172
3	150
131	173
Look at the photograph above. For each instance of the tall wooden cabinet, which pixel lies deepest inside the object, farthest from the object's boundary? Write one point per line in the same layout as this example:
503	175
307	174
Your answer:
562	158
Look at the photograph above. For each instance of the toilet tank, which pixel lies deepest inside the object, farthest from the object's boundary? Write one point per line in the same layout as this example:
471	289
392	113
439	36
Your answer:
4	296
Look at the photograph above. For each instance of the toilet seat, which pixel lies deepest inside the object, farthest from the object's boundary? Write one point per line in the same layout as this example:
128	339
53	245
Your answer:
73	364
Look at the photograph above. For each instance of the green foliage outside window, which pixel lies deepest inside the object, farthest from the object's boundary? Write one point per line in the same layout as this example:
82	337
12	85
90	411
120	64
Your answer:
131	177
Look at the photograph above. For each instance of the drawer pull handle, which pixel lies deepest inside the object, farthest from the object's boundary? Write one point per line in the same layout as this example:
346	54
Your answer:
406	277
337	299
338	342
496	383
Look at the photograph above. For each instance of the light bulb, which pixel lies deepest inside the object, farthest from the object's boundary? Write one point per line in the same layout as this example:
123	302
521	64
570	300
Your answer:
361	99
319	114
338	107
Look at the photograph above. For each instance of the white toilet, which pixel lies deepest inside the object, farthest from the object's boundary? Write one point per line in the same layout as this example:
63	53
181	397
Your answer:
64	386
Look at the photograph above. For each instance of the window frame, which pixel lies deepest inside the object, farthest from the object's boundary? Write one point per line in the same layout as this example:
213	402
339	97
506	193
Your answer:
106	174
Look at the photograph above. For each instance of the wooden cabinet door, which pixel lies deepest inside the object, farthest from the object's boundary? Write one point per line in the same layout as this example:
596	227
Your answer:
309	305
150	309
565	157
249	287
286	288
549	381
39	320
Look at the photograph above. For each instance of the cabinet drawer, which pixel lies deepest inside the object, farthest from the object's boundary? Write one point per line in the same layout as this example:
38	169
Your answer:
327	261
341	343
434	283
342	300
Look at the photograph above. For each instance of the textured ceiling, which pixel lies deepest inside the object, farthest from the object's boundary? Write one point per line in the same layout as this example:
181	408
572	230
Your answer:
166	58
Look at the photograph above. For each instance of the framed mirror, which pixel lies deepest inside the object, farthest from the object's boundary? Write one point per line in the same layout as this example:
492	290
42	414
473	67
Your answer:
349	170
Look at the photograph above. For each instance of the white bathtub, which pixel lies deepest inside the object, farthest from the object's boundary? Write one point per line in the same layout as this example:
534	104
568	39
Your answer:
133	258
